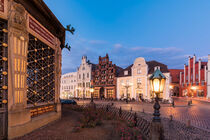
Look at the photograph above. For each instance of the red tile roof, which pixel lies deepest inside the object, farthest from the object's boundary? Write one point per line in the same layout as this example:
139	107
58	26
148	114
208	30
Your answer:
175	75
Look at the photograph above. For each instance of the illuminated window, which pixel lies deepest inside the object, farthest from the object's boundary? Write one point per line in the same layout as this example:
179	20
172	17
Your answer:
138	71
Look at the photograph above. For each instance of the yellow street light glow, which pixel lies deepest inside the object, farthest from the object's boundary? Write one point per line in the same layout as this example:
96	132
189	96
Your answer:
193	88
171	87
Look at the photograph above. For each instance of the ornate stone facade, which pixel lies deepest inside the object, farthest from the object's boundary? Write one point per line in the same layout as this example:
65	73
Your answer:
133	81
84	77
31	54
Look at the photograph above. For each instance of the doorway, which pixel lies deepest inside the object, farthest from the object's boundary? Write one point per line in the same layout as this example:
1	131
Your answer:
102	92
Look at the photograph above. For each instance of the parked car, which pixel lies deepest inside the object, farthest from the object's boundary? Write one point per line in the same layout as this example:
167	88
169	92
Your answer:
125	98
67	101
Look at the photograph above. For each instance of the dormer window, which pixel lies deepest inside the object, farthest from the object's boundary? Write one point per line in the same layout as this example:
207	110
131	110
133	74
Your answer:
157	67
126	72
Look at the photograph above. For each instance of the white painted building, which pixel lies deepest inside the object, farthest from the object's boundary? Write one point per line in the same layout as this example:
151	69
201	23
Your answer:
68	85
133	81
77	84
208	78
84	78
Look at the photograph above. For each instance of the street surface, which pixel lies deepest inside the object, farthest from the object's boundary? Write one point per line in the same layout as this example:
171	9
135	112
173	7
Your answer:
198	113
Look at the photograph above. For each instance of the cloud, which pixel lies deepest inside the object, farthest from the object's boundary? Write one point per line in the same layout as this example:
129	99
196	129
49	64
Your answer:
159	50
203	57
117	46
97	42
119	54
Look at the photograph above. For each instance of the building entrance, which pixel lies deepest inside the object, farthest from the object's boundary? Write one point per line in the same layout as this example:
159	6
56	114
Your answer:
102	92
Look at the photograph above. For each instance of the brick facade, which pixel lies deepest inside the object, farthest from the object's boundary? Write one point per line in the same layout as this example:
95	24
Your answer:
175	79
193	81
104	78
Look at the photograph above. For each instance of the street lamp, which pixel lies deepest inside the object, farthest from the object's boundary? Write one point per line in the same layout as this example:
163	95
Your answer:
127	85
91	91
157	80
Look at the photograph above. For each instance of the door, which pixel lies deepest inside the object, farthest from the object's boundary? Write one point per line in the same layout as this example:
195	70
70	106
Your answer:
102	92
3	79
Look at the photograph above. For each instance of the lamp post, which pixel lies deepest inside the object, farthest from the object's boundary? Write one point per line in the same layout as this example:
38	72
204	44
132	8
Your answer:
127	85
91	91
157	80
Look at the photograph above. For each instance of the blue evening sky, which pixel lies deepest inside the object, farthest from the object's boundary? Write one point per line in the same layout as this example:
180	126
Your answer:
164	30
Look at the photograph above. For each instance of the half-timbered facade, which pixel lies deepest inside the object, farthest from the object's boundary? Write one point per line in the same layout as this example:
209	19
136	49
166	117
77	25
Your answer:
133	82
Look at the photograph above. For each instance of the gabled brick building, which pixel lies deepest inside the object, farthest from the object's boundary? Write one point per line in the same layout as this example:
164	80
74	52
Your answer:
193	81
175	79
104	78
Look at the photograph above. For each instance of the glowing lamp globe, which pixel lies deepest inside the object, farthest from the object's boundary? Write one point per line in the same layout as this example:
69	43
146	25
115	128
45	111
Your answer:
157	80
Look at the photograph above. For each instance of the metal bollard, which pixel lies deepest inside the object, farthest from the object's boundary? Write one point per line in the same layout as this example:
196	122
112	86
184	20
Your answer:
131	109
188	103
135	119
171	117
173	103
107	108
142	110
188	123
120	111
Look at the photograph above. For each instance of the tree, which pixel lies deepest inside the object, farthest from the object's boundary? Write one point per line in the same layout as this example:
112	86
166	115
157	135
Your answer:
71	30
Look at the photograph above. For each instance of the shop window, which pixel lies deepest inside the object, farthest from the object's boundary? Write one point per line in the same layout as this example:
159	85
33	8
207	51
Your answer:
109	93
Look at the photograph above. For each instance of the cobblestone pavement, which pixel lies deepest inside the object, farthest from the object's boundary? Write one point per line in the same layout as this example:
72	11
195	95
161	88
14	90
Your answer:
198	113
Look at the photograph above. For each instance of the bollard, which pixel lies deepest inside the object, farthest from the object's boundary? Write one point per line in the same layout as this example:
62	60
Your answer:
173	103
131	109
135	119
171	117
107	108
142	110
188	103
120	111
188	123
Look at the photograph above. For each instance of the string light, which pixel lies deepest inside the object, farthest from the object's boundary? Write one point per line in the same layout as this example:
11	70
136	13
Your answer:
4	45
4	87
4	58
5	30
4	73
